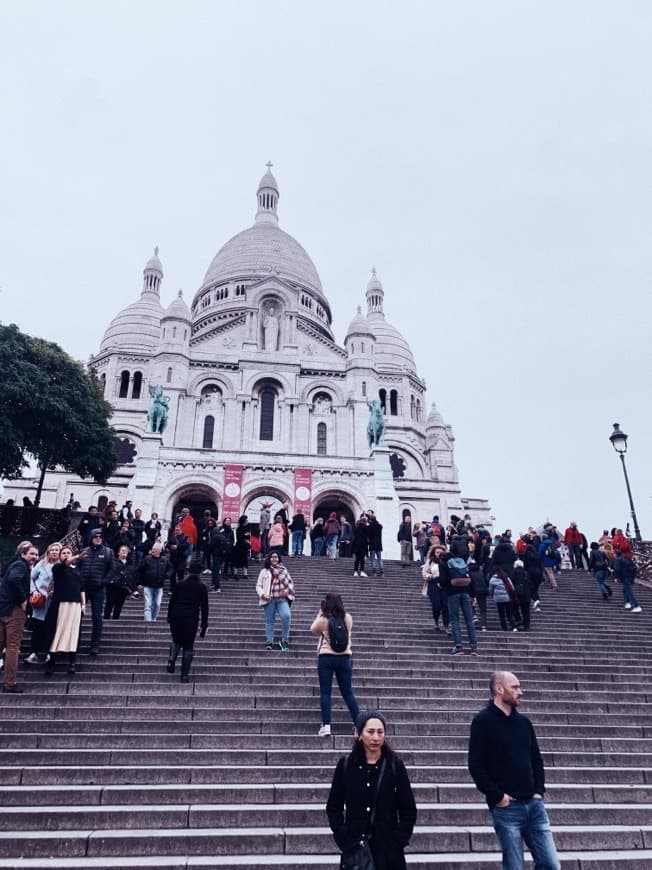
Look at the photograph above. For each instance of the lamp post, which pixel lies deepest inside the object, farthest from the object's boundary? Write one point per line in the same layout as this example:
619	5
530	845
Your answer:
619	441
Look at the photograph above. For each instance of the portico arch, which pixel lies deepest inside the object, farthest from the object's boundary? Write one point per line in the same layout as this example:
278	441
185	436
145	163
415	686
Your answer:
343	503
198	495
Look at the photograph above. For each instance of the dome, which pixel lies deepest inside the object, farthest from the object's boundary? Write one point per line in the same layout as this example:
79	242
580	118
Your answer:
435	419
261	249
392	350
154	264
374	281
137	327
178	309
359	325
268	181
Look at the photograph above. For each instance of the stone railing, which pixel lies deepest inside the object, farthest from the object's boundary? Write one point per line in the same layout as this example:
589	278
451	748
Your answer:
643	558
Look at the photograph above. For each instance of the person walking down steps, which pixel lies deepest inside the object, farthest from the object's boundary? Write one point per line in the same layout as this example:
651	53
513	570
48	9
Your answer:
189	598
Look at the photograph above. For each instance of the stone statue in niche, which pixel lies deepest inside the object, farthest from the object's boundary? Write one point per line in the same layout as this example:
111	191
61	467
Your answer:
270	329
322	405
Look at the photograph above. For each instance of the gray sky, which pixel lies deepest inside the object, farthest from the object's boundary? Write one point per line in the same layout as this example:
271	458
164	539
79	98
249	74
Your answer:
491	159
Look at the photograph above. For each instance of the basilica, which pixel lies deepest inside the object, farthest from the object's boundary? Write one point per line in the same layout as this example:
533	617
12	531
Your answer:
263	405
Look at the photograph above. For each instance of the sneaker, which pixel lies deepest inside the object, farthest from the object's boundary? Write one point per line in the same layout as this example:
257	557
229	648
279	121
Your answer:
362	574
515	629
31	659
269	646
457	651
324	731
284	646
484	628
637	609
474	652
170	666
536	605
355	574
94	651
628	606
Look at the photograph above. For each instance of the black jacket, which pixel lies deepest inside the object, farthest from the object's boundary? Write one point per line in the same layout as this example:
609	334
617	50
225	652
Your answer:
504	557
96	567
504	755
14	588
396	810
360	544
153	570
187	599
375	532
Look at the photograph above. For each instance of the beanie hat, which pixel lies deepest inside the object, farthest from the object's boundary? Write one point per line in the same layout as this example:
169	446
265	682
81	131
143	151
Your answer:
96	532
365	716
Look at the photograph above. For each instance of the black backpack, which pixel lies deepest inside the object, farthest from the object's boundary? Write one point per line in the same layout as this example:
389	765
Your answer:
338	634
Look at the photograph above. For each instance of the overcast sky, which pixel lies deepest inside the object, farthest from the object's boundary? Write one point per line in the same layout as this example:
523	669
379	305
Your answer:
491	159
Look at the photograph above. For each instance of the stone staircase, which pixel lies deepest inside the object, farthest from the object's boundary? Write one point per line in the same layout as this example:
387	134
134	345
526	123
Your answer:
123	766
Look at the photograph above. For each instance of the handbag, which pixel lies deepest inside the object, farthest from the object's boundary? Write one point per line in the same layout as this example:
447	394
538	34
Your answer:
360	857
37	599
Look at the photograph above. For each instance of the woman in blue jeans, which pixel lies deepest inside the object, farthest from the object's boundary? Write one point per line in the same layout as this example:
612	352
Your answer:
331	662
275	590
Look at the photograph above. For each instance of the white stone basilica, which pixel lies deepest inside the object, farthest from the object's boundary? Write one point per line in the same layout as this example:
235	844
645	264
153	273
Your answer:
257	386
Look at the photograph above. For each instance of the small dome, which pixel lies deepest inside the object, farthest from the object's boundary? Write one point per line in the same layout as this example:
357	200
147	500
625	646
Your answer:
268	181
359	325
177	309
374	281
435	419
136	327
154	264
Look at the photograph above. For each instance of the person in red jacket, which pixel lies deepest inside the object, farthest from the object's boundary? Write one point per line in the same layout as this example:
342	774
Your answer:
622	544
573	540
189	529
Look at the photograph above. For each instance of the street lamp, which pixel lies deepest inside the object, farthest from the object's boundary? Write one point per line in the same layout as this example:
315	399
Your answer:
619	440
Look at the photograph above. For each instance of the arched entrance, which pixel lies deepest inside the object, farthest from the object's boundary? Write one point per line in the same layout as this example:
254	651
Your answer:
333	502
197	498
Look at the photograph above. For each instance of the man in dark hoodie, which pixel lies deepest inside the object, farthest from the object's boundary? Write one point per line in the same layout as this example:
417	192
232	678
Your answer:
96	568
14	594
506	766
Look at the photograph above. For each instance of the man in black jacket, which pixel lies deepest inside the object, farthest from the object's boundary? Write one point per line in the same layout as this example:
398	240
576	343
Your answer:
14	592
152	572
506	766
96	567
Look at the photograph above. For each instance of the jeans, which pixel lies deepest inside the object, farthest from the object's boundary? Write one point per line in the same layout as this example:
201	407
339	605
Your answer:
297	542
457	600
342	667
331	546
216	571
11	634
318	546
376	561
628	592
575	553
282	607
600	575
525	820
152	596
97	598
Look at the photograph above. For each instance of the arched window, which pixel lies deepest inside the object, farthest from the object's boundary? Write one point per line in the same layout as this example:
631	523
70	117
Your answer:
413	407
137	385
418	409
393	403
364	388
124	385
102	502
322	439
169	376
267	402
382	395
209	428
103	382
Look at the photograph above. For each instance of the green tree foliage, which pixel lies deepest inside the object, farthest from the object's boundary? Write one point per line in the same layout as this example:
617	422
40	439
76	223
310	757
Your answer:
51	408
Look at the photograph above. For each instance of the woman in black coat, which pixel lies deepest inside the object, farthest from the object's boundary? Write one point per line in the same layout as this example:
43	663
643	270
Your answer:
360	546
355	786
241	549
189	597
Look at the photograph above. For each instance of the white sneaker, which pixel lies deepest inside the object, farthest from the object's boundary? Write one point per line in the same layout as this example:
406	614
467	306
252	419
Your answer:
362	574
355	574
628	606
31	659
637	609
324	731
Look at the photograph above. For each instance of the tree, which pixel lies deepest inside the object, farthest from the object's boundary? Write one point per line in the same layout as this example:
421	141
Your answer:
53	409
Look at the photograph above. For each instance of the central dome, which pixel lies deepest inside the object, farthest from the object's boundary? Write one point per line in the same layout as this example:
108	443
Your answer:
259	250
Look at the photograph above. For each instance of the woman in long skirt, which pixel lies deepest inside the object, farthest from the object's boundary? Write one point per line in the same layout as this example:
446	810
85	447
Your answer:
68	605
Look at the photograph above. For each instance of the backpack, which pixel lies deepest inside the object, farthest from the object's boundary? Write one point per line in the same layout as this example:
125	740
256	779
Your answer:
338	634
550	552
459	572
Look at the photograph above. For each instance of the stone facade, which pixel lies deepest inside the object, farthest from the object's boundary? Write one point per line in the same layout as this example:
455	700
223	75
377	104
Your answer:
255	378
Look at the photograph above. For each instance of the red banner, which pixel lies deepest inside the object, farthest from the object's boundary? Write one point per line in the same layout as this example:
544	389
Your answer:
303	492
232	492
